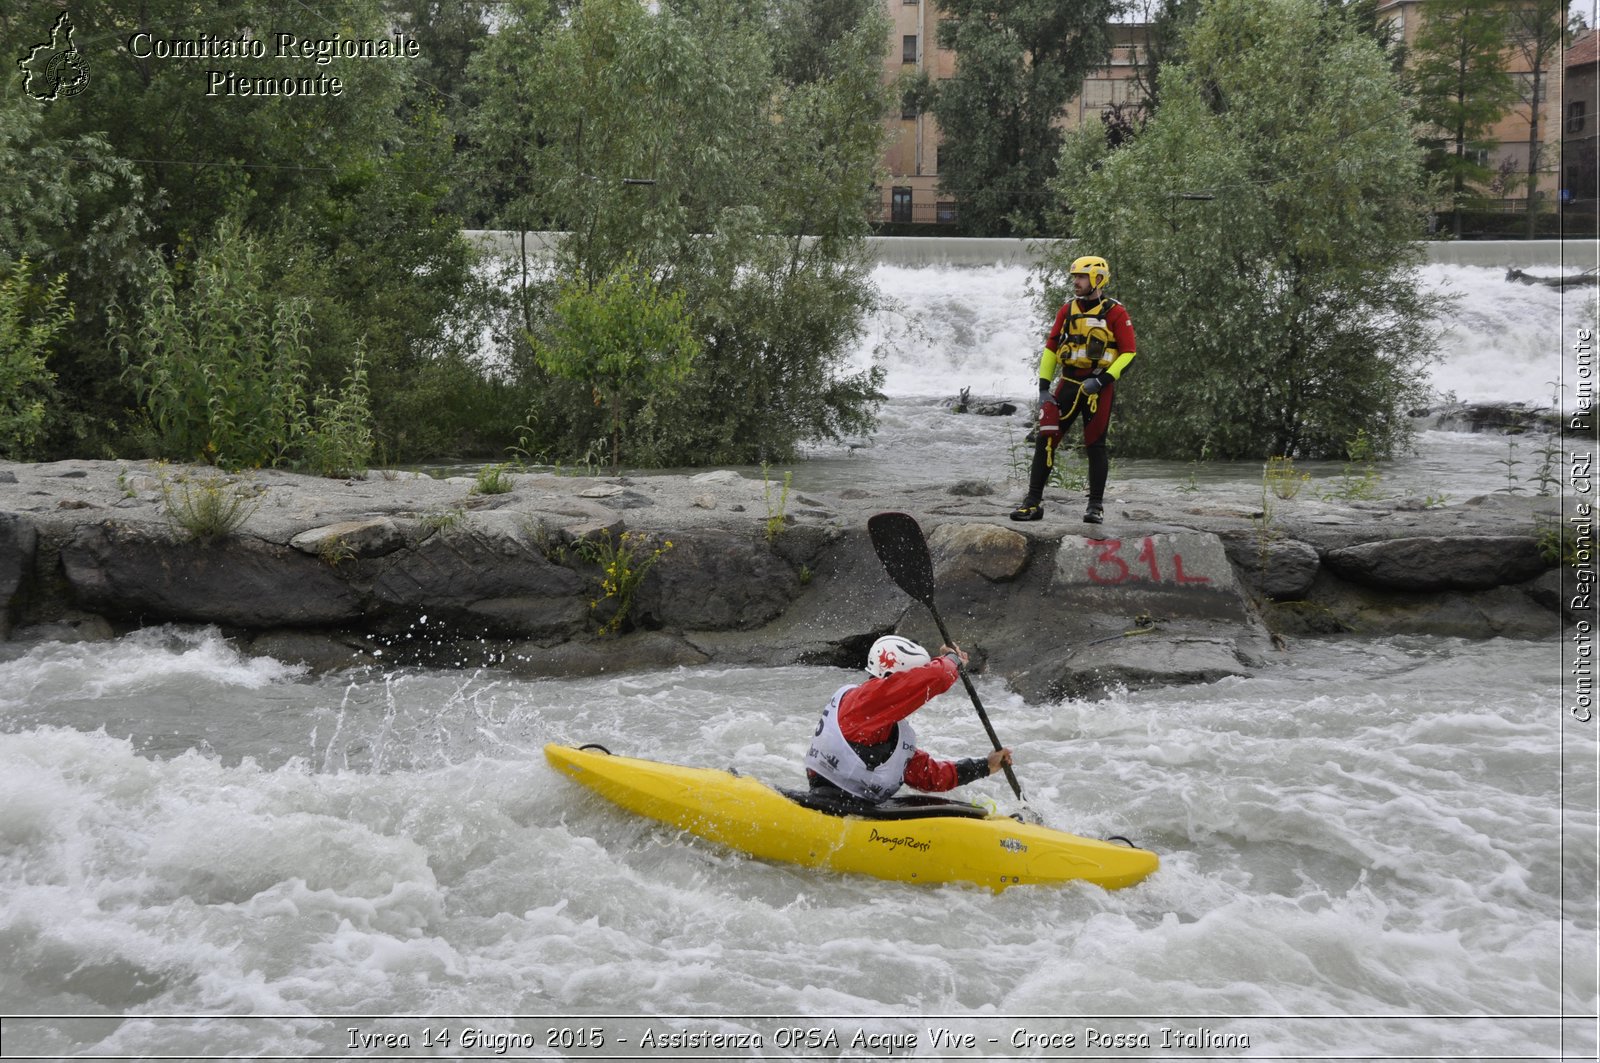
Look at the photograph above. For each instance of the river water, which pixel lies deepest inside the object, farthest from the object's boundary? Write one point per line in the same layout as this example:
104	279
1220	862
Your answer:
1377	848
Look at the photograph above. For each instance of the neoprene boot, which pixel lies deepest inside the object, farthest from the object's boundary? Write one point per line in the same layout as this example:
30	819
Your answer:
1099	472
1032	507
1028	509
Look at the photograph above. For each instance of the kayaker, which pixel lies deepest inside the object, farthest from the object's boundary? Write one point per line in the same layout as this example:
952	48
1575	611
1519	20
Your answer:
865	746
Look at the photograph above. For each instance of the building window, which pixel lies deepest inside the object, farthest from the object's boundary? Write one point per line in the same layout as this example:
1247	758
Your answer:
900	204
938	158
945	212
1100	93
908	48
1576	112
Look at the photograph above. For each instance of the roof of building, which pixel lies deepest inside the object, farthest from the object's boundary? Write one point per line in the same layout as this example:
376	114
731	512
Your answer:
1584	50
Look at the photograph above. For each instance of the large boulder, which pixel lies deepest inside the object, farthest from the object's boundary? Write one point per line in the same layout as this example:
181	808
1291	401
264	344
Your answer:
1149	608
1281	569
1143	610
635	652
984	552
846	603
1510	612
1168	655
148	573
489	575
373	537
715	580
1438	563
1163	573
320	652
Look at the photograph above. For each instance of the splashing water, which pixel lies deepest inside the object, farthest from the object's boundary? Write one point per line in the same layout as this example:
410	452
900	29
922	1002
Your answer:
1370	847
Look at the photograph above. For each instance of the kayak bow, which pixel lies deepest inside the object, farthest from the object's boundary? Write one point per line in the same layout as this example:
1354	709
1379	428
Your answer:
919	839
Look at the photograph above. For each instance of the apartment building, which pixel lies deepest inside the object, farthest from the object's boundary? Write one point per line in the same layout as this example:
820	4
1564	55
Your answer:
912	156
911	194
1580	126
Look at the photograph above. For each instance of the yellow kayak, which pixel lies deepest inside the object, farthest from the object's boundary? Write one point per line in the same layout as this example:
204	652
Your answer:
915	839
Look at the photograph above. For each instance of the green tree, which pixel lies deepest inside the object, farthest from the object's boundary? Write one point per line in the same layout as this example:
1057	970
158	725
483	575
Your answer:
1461	87
668	138
1370	20
1538	31
1018	62
450	33
1272	285
76	209
807	35
349	193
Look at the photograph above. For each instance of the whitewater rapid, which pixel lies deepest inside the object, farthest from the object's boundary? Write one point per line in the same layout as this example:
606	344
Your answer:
1379	829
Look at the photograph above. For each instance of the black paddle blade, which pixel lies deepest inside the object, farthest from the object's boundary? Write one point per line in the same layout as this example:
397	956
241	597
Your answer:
897	538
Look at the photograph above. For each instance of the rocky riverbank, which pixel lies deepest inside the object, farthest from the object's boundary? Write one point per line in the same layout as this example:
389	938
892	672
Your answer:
400	568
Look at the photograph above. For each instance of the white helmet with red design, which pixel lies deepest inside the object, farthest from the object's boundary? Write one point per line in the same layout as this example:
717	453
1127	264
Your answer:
892	654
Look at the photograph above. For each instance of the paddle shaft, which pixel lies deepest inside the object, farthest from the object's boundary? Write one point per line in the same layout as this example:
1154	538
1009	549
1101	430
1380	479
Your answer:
898	540
983	717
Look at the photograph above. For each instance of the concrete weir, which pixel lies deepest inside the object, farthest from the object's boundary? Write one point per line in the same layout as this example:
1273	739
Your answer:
988	251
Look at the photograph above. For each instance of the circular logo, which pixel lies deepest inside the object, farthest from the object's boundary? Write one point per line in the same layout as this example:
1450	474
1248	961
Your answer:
68	73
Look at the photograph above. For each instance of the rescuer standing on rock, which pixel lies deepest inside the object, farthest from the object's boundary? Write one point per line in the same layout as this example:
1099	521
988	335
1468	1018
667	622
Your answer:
1090	344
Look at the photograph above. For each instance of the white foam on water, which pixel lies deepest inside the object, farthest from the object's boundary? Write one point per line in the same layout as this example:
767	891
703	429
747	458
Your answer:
146	658
1370	829
948	328
1508	342
951	327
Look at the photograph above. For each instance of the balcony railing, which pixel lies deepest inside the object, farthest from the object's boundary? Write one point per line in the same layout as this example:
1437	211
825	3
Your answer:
943	213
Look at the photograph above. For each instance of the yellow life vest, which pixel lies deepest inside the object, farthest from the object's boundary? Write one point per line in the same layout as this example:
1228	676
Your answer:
1078	348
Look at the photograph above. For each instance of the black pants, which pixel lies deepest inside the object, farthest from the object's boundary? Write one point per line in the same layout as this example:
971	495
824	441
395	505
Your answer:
1095	425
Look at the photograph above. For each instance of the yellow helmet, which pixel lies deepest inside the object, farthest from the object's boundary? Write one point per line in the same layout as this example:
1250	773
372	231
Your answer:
1097	269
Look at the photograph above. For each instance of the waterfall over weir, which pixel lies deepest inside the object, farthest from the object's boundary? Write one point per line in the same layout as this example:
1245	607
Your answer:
992	251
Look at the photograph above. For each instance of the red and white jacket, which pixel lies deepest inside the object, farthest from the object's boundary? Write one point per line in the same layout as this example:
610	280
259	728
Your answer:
867	715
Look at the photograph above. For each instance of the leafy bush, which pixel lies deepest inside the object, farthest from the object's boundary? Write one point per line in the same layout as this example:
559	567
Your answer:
1280	476
493	480
777	515
219	367
623	564
340	440
349	196
623	337
1512	225
30	319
